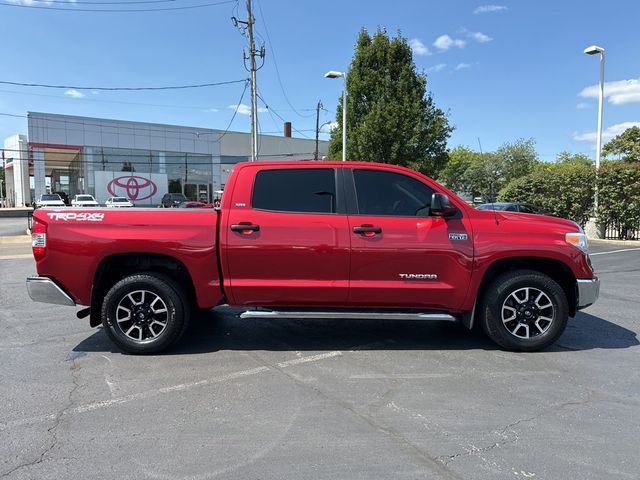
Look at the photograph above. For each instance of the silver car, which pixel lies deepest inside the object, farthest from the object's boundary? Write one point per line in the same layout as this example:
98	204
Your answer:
118	202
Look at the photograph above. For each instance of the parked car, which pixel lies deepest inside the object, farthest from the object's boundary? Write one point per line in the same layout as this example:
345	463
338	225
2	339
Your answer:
513	207
65	197
49	200
172	200
317	240
84	200
192	204
118	202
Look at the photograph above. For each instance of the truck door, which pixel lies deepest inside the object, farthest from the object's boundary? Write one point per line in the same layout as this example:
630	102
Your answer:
401	256
286	242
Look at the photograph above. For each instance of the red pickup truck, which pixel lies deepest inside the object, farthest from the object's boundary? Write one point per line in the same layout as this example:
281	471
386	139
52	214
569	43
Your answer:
316	239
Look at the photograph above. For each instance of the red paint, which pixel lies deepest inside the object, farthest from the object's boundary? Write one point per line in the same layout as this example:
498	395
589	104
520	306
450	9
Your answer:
298	259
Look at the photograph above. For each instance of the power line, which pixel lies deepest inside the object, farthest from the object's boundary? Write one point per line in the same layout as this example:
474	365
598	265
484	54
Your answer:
246	83
278	115
79	2
113	89
120	102
275	64
118	10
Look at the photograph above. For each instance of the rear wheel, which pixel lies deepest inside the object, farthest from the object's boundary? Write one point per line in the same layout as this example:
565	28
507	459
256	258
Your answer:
145	313
524	310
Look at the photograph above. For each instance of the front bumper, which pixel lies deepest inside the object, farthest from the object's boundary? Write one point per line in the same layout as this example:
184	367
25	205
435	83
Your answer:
43	289
588	291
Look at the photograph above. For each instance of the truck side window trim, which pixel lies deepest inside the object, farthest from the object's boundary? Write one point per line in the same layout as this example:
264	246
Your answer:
337	206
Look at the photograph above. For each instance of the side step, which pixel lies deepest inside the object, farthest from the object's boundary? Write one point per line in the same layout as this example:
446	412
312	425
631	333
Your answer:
352	315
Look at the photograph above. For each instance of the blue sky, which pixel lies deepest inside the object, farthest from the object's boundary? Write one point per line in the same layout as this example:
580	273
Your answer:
502	70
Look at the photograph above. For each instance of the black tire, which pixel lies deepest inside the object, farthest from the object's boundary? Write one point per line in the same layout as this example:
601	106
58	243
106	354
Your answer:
526	332
157	324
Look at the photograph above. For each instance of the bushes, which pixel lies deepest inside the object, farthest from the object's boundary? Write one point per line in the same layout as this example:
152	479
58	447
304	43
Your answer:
619	197
565	190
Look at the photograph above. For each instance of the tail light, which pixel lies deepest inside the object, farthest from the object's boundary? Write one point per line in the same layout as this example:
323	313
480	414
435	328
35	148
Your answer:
38	239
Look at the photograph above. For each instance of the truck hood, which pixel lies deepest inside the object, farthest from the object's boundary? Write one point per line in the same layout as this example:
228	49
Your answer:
530	219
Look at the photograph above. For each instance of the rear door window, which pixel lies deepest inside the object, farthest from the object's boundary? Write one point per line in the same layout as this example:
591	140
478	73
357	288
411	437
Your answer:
300	190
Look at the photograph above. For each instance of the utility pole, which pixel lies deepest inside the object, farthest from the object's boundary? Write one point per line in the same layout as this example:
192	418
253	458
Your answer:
247	26
319	106
252	72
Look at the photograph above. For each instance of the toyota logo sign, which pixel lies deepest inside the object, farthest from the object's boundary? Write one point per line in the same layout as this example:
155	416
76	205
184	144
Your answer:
133	187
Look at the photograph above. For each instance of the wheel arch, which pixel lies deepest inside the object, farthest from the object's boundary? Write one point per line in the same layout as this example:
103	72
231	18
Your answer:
118	266
556	269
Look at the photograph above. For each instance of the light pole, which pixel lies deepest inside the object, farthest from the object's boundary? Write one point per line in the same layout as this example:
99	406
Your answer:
334	74
593	50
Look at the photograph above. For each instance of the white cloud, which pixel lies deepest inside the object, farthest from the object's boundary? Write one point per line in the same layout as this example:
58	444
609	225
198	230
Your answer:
607	133
445	42
582	106
489	9
214	110
618	93
462	66
245	109
479	37
418	47
73	93
437	68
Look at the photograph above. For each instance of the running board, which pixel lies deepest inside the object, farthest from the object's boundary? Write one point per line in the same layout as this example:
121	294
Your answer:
348	315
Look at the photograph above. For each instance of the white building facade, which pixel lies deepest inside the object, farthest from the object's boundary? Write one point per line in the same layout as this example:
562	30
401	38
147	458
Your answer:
141	161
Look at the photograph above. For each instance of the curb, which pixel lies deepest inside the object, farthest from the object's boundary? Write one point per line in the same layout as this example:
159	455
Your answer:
600	241
15	239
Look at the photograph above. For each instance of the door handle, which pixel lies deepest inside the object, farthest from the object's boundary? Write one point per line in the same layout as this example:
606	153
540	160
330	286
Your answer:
367	230
245	228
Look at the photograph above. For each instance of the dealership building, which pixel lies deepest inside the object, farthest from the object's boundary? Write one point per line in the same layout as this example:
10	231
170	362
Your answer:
141	161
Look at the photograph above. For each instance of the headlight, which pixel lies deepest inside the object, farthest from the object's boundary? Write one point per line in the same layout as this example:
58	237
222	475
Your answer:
578	239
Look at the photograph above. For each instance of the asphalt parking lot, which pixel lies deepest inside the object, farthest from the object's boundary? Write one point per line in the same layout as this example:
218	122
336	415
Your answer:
260	399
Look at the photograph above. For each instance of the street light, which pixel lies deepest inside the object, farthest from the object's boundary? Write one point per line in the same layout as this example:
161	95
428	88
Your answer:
335	74
594	50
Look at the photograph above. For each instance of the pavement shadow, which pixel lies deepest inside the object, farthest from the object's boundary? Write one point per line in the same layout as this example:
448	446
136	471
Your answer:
220	329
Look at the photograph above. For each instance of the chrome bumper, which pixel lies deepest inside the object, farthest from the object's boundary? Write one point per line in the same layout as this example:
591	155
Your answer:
43	289
588	291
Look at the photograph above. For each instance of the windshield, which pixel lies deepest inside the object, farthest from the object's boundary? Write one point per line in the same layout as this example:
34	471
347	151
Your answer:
51	197
85	198
119	199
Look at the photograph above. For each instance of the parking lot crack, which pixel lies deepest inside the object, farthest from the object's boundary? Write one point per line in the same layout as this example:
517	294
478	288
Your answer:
508	433
52	431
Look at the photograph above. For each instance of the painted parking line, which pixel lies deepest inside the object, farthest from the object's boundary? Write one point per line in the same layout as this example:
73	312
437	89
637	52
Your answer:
16	257
90	407
614	251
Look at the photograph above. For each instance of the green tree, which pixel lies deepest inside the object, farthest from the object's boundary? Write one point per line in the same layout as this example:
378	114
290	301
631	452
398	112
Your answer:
626	145
453	173
516	159
567	158
390	115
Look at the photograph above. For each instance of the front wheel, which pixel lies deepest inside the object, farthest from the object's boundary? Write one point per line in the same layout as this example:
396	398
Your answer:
524	311
145	313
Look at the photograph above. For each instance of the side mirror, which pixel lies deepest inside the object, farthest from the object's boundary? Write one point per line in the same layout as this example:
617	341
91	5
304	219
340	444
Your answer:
441	207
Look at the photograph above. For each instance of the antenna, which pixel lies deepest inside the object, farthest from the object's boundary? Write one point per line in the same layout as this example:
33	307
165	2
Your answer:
491	193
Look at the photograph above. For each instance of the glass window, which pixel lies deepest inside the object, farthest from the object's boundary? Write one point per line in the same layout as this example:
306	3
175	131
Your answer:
387	193
524	208
310	190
